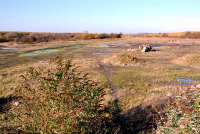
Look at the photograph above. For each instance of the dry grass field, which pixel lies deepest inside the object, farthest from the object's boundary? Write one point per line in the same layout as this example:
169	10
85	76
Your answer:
139	81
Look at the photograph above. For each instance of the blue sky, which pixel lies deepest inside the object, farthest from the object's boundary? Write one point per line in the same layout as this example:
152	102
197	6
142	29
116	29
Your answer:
127	16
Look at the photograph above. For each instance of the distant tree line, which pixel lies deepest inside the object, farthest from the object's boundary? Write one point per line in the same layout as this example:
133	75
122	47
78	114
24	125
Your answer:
192	35
25	37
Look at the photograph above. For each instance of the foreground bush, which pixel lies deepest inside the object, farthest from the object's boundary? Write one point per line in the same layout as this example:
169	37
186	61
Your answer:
57	98
183	115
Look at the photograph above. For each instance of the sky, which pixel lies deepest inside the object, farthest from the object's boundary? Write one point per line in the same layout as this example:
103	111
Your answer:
126	16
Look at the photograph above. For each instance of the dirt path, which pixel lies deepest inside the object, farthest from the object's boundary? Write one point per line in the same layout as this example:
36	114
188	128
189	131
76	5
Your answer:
107	72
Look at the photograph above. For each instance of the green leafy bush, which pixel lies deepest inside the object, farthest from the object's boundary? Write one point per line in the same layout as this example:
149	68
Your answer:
57	98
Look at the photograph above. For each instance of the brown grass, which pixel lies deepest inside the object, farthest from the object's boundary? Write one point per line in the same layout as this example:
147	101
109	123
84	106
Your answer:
121	59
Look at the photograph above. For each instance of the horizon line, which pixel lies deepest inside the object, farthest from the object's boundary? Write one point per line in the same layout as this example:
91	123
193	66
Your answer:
98	32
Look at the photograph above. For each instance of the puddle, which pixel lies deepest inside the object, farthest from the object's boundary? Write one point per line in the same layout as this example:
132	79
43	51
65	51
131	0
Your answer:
46	51
156	48
8	50
183	69
104	45
185	81
75	46
40	52
98	53
116	45
102	53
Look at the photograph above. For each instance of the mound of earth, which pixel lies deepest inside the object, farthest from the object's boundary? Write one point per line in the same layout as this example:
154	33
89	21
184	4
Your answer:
121	59
187	60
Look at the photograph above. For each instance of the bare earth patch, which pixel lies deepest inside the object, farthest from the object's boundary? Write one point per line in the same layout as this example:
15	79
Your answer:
121	59
187	60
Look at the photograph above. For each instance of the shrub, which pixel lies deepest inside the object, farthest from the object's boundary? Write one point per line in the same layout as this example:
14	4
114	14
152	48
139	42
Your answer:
59	99
4	40
23	37
126	58
87	36
102	36
183	115
116	35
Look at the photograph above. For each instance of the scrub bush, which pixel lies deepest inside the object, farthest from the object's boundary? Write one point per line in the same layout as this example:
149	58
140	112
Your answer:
57	98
